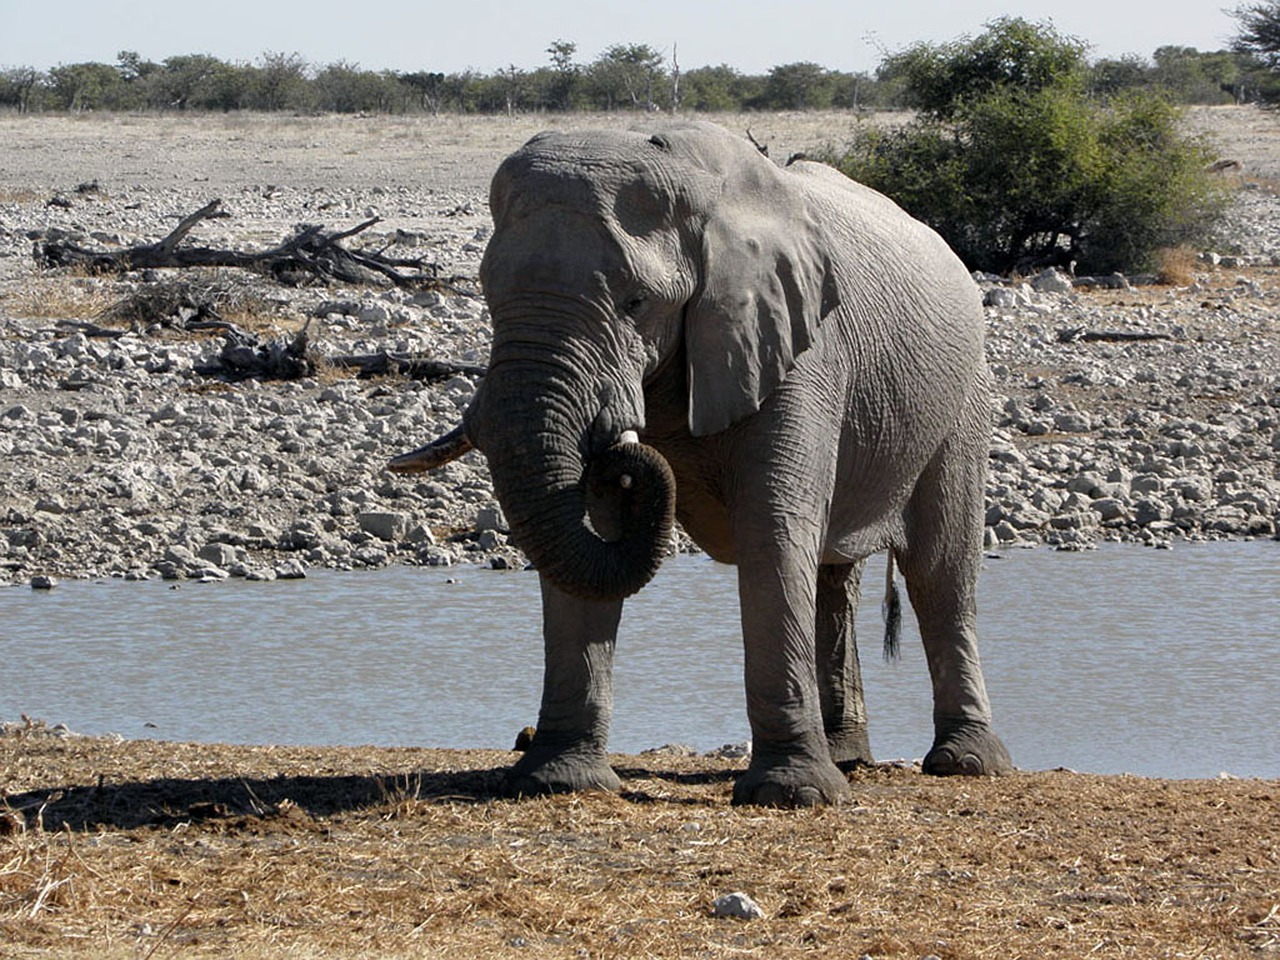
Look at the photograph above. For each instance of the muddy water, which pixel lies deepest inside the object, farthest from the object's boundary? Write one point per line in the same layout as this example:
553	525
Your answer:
1162	663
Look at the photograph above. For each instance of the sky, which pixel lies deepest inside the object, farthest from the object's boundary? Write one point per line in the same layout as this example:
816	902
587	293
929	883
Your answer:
488	35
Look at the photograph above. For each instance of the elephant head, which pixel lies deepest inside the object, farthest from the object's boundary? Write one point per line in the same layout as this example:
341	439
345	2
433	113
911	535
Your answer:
616	255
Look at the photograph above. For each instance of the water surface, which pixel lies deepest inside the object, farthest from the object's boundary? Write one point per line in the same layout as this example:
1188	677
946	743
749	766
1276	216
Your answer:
1161	663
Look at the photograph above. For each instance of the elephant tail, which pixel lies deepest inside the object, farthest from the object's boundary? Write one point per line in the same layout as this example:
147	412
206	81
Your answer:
892	612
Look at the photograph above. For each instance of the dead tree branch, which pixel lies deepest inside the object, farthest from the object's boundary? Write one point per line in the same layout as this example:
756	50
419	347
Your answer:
245	355
1080	334
310	255
414	366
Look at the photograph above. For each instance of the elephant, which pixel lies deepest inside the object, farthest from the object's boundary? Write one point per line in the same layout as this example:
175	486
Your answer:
777	357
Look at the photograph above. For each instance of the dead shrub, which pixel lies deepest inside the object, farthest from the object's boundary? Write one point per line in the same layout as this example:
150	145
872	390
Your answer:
198	295
1175	266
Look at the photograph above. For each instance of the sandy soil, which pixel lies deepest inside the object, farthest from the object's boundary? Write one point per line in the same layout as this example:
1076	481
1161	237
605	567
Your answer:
449	153
227	153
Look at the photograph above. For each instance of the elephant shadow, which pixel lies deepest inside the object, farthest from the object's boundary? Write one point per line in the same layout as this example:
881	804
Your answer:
240	801
167	802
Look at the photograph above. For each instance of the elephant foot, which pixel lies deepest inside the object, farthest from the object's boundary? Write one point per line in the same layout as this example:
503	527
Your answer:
790	782
970	751
548	770
850	748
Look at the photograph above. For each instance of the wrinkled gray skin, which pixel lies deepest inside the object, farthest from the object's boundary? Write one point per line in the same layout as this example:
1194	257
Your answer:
804	365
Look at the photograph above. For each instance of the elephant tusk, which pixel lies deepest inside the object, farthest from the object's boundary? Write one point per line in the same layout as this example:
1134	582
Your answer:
626	481
435	454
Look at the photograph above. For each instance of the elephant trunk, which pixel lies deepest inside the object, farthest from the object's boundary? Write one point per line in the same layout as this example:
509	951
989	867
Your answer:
545	480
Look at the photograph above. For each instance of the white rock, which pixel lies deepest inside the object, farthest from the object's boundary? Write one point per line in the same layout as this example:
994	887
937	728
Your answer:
1052	281
736	906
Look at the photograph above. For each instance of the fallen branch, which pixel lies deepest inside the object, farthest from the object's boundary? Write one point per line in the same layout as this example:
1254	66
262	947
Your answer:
245	355
1081	335
310	254
414	366
91	329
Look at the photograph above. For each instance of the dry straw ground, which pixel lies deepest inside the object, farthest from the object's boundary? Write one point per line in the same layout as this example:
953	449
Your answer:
144	849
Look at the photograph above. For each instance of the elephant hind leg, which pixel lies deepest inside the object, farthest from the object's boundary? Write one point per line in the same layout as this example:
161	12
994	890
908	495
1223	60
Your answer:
790	760
940	562
844	712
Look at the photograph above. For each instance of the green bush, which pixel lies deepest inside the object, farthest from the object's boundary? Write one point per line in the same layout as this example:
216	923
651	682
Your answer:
1020	170
1012	54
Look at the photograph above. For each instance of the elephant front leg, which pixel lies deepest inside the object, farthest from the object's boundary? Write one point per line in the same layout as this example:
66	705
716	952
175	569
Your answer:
568	752
844	712
790	758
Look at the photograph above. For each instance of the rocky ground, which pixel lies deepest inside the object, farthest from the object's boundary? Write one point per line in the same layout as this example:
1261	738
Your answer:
1131	412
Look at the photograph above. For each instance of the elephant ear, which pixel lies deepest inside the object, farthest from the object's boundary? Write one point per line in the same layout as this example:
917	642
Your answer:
766	287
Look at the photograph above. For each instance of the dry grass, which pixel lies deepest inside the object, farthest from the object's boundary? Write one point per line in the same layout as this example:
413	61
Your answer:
138	849
21	196
1176	266
69	298
67	295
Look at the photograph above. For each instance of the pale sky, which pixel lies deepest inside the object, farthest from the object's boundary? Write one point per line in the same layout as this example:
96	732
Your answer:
488	35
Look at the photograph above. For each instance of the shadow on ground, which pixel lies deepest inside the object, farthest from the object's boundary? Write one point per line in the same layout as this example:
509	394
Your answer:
167	802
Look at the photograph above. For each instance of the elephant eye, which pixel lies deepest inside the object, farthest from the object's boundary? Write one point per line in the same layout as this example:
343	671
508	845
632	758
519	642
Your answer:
634	304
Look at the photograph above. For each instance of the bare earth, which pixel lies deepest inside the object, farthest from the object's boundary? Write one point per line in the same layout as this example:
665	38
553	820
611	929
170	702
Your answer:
448	154
139	849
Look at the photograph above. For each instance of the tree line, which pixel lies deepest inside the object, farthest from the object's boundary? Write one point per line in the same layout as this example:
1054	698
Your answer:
635	77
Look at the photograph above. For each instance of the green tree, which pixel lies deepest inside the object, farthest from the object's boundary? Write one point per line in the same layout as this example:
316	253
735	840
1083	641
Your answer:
797	86
232	87
343	87
856	91
1258	40
1189	76
18	86
132	68
712	88
461	90
627	75
514	84
567	73
185	81
1108	77
1011	54
279	82
428	89
1259	32
1026	171
85	86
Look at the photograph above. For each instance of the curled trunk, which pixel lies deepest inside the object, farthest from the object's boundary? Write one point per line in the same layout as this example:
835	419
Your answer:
544	486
